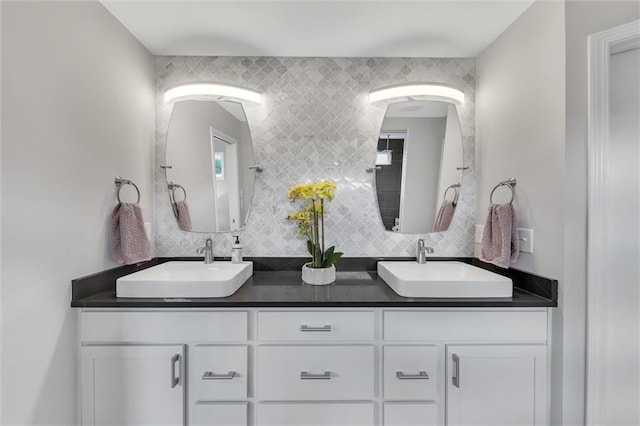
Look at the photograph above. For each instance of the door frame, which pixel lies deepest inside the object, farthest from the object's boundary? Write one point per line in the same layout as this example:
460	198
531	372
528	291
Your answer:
601	46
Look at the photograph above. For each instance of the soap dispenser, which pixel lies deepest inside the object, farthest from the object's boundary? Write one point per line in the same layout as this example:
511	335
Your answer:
236	250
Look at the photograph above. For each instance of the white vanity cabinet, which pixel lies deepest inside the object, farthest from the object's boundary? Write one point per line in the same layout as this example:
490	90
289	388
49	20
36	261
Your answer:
493	361
496	385
132	385
314	366
164	367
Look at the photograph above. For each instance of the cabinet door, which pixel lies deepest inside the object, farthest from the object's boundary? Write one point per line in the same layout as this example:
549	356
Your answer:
127	385
496	385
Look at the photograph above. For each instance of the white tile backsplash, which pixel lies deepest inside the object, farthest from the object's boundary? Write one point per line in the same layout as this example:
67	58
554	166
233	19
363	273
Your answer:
315	122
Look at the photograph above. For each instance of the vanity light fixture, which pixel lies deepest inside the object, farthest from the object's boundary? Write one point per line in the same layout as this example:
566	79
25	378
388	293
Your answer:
209	90
432	91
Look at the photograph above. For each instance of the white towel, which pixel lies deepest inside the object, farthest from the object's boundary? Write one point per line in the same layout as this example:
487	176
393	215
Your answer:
500	244
129	241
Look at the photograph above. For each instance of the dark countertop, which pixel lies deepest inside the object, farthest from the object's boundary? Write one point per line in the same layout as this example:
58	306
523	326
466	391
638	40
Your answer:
285	289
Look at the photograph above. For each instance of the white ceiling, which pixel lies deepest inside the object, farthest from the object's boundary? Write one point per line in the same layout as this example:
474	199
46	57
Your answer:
417	109
329	28
235	109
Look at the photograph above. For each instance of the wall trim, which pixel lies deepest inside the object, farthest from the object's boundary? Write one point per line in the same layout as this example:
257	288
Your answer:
601	46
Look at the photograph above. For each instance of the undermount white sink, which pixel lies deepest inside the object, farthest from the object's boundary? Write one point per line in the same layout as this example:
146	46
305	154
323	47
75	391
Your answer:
185	279
443	279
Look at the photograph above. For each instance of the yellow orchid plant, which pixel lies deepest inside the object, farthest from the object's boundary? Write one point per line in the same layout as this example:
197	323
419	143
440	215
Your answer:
311	220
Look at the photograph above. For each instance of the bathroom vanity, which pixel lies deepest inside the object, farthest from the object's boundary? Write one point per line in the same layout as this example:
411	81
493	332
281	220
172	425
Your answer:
281	353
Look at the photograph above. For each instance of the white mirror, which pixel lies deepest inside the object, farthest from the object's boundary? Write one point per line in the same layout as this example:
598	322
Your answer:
209	155
419	166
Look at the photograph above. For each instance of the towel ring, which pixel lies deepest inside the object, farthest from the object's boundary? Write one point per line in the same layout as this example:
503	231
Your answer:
456	191
511	183
120	182
172	187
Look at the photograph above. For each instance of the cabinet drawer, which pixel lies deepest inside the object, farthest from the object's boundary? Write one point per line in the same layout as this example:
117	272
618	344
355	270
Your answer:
228	414
166	326
315	372
361	414
218	372
467	326
410	414
315	326
411	372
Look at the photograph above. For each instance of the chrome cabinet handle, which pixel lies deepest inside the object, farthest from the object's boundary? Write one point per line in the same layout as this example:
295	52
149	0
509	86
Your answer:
326	327
174	378
455	378
210	375
305	375
403	376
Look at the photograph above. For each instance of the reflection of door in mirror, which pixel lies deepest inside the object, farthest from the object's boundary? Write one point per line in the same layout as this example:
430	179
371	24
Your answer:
389	178
226	183
209	150
426	152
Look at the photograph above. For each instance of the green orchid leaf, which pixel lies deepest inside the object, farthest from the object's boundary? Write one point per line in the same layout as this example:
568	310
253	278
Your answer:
331	257
327	254
326	258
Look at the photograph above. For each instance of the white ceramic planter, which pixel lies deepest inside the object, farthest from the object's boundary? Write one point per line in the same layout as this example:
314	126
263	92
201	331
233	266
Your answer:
318	276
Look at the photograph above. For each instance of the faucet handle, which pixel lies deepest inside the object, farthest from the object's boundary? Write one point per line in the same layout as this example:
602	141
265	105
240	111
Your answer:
208	246
421	243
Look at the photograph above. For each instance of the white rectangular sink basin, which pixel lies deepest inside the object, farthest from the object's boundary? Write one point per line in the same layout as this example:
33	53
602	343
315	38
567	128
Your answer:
443	279
185	280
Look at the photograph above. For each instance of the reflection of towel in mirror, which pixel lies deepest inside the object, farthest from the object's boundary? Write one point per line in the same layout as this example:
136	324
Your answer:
182	215
500	244
444	217
129	241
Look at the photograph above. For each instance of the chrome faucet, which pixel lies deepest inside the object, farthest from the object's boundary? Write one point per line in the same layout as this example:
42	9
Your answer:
421	257
207	250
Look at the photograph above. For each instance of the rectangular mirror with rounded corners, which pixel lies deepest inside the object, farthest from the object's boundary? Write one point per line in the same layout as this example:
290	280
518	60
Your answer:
209	155
419	166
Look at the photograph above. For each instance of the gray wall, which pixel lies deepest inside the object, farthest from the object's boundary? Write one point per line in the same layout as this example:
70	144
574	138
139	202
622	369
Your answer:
246	159
544	56
582	19
521	131
521	128
315	123
77	109
451	157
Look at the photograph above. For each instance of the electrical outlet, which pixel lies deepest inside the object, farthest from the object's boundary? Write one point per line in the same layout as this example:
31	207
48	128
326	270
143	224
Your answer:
479	233
526	240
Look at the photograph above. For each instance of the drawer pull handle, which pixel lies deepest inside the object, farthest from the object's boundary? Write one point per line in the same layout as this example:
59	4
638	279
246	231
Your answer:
305	375
403	376
210	375
175	380
325	327
455	377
